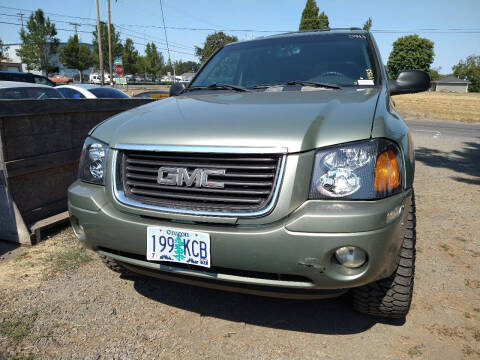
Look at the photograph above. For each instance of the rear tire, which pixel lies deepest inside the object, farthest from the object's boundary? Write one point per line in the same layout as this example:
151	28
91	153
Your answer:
115	265
391	297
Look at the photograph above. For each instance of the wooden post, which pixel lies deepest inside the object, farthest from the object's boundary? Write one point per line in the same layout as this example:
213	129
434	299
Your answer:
99	40
110	44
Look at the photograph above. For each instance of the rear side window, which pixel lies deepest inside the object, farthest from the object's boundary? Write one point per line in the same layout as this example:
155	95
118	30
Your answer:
29	93
71	93
105	92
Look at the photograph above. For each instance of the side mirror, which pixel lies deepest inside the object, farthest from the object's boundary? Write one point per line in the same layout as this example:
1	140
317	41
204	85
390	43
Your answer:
176	89
409	81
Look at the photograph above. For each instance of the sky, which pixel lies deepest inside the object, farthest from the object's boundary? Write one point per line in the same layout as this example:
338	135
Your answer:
453	25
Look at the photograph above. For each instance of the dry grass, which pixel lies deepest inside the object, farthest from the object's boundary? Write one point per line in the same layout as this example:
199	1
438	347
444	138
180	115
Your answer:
43	261
439	106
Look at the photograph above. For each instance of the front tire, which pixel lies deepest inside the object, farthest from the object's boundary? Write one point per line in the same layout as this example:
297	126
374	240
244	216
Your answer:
391	297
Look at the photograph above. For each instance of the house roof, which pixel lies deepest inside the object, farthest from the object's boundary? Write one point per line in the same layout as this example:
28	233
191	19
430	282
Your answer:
452	80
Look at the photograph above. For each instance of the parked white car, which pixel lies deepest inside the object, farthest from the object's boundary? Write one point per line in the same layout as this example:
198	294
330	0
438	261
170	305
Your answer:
89	91
97	79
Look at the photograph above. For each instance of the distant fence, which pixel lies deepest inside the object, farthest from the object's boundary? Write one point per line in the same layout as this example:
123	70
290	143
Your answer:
40	144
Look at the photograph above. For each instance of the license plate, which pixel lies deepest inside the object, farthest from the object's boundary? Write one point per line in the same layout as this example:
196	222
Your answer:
178	245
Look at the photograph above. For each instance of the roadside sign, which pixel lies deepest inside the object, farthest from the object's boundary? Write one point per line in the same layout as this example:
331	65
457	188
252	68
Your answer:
118	62
118	69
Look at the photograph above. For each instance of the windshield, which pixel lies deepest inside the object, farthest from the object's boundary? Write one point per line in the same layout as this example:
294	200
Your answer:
342	59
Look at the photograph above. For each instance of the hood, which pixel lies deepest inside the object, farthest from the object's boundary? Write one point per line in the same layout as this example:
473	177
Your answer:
295	120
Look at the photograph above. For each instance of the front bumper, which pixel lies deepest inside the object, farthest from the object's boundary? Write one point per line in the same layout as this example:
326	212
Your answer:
293	253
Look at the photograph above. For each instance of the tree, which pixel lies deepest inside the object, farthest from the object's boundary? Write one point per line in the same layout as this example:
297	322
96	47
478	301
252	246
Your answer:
434	73
76	56
368	24
179	253
130	57
3	51
212	43
470	69
116	45
324	23
140	64
153	60
39	43
409	53
310	19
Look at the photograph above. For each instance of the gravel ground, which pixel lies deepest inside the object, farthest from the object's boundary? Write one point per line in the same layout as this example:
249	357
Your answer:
60	302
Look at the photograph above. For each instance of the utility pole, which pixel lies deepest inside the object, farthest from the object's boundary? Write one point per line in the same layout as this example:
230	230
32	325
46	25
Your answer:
99	40
166	40
110	45
21	17
75	25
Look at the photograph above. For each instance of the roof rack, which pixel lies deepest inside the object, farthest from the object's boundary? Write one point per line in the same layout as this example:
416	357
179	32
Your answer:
315	30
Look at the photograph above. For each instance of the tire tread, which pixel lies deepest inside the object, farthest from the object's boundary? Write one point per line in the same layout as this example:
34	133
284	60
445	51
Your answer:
392	297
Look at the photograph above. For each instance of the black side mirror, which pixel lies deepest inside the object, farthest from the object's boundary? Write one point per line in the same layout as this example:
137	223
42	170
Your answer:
176	89
409	81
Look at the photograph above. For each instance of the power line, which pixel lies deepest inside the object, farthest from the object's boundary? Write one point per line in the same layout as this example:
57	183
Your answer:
171	43
152	38
460	30
379	31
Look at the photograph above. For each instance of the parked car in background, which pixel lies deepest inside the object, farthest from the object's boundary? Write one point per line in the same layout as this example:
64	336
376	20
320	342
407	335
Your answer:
60	79
154	94
97	78
90	91
25	77
10	90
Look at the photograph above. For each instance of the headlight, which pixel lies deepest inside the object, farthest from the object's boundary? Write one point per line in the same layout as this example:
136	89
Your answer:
358	171
93	162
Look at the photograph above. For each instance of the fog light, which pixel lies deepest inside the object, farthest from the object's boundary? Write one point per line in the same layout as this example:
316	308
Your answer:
351	256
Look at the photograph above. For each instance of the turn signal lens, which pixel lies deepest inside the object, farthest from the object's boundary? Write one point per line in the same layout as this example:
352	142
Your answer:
387	173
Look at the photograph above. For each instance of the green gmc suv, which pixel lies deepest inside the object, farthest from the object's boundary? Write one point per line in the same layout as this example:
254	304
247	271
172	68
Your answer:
281	170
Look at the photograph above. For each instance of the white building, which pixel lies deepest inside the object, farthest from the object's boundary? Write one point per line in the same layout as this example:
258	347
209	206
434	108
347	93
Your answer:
451	84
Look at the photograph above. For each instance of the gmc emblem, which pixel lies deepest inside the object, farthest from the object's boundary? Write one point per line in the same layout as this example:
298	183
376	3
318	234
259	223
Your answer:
181	177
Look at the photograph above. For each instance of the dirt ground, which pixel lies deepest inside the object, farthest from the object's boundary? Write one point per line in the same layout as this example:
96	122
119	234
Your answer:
58	301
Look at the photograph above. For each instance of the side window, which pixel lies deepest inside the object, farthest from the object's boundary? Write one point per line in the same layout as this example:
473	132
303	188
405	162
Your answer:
71	93
222	70
15	93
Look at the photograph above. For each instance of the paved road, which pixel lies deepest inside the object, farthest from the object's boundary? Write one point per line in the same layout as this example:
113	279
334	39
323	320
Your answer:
445	128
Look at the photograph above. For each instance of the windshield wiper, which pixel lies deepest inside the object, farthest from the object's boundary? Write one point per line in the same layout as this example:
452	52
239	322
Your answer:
218	86
302	83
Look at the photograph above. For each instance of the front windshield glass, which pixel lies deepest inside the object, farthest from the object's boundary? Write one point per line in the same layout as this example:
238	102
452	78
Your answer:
342	59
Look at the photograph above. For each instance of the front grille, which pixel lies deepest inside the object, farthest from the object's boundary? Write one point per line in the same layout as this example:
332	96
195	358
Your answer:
249	180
